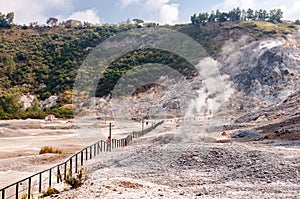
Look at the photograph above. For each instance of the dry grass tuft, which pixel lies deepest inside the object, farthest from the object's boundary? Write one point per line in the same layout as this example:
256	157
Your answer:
127	184
48	149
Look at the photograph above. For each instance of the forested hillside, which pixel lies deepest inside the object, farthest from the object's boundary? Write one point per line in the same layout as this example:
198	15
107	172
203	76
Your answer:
43	60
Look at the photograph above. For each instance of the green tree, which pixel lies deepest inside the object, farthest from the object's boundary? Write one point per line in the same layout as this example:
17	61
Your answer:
203	18
10	65
265	15
193	19
212	17
223	17
6	21
243	15
10	18
250	14
275	15
235	14
52	21
218	15
138	21
256	15
9	102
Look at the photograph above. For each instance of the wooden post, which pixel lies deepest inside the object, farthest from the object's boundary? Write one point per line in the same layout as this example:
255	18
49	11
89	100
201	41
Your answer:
76	160
17	190
71	165
58	175
65	171
86	154
40	182
3	193
91	152
49	178
81	156
29	188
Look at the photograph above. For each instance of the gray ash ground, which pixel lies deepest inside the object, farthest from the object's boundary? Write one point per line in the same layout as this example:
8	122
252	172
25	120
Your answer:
163	165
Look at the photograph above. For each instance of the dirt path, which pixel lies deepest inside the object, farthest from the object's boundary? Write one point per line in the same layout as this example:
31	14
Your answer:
21	141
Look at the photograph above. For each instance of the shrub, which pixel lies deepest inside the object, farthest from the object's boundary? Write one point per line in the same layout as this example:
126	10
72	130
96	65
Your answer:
50	191
48	149
4	116
76	181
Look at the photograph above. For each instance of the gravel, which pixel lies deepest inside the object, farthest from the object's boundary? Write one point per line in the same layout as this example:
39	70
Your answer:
163	165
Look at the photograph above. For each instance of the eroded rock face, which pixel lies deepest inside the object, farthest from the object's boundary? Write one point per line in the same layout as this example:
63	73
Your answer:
270	76
264	74
49	102
27	100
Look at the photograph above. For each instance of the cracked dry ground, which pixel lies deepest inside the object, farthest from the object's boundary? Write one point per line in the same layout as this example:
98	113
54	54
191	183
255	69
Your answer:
163	165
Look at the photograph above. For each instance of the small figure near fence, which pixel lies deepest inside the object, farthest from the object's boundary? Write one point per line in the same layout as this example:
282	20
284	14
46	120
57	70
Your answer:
108	142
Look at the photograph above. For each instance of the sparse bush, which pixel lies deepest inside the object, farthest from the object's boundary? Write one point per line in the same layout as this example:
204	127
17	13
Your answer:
50	191
25	196
48	149
76	181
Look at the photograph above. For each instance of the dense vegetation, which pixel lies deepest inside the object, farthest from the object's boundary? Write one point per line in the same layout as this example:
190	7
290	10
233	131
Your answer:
274	15
43	60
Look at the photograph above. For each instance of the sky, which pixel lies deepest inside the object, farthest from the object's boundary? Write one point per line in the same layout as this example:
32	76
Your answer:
117	11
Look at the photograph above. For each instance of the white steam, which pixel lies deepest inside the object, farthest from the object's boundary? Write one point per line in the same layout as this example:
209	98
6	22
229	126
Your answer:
212	97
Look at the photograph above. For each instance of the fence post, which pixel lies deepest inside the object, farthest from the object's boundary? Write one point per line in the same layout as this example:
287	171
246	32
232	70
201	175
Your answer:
29	187
76	159
65	171
91	152
58	175
3	193
95	150
81	157
71	165
17	190
40	182
86	154
104	146
49	177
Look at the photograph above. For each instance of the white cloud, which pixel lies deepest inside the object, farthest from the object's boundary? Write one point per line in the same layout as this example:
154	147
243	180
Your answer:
160	11
125	3
168	13
154	5
34	10
290	8
292	12
86	15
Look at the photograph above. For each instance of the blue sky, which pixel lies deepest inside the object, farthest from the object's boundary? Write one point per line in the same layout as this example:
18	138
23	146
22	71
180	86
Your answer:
115	11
